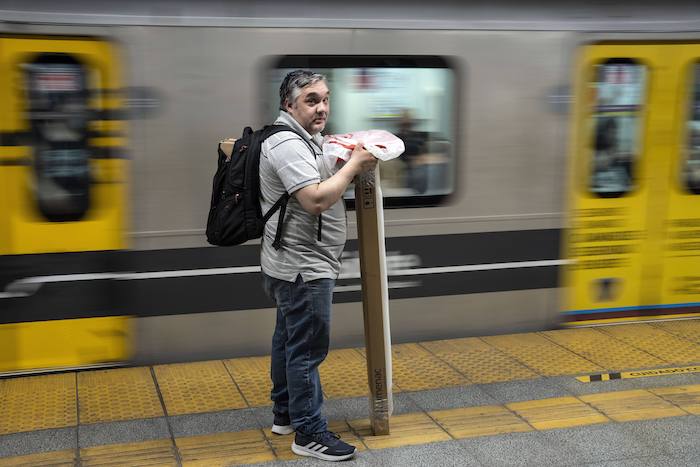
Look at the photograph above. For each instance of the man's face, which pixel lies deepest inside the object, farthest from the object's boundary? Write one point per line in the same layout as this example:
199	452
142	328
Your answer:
311	108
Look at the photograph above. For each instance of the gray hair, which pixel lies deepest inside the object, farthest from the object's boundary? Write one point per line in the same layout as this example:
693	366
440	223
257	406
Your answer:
294	82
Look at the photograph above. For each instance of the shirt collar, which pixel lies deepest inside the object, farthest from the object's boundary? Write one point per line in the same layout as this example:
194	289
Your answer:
288	120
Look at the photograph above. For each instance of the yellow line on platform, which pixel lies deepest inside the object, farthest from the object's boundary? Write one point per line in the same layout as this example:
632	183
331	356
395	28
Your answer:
37	403
627	406
256	446
469	422
666	346
49	401
603	349
222	449
557	412
120	394
478	361
148	453
416	369
537	352
53	459
197	387
685	397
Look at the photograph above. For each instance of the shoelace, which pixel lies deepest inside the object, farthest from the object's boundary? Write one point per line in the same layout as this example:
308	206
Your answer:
325	436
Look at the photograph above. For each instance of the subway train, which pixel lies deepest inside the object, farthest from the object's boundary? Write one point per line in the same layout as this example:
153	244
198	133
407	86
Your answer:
551	175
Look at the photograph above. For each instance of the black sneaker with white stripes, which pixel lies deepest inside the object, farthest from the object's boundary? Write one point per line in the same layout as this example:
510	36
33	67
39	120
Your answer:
325	445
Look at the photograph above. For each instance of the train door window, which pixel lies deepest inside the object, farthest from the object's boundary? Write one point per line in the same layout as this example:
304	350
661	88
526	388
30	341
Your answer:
691	169
58	115
618	92
412	97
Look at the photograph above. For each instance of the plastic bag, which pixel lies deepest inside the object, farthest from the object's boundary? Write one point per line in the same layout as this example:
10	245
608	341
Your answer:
382	144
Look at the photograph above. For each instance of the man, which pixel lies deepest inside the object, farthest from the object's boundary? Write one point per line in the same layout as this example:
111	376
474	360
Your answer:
300	276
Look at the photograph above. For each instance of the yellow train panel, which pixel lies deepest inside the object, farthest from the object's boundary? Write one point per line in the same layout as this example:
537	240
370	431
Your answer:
100	57
26	228
626	209
608	230
63	188
64	343
681	256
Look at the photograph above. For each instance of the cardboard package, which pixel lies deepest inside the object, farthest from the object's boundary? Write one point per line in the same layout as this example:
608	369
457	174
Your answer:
226	146
375	298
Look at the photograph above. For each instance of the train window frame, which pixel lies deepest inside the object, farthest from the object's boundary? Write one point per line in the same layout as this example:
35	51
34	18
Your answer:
320	62
692	100
635	176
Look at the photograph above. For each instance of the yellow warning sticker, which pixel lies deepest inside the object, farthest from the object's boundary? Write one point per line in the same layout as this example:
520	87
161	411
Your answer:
639	374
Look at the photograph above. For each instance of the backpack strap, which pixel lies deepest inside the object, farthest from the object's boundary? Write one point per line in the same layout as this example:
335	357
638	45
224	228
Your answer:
281	203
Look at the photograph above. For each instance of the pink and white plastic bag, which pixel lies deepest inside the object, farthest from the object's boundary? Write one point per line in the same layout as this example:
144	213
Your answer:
382	144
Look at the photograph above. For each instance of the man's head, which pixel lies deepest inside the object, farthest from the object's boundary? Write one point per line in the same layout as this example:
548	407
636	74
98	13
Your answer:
305	96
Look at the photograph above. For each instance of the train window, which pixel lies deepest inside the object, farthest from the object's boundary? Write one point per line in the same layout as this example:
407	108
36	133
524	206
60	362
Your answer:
58	114
618	94
410	96
691	169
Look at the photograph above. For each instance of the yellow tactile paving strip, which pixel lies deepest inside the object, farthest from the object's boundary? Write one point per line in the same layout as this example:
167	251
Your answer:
282	445
599	348
149	453
626	406
197	387
222	449
407	429
478	361
416	369
43	402
53	459
121	394
557	412
252	375
690	329
344	374
255	446
37	403
469	422
656	341
540	354
685	397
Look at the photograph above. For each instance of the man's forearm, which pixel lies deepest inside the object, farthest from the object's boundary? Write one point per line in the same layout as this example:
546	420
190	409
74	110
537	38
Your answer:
317	198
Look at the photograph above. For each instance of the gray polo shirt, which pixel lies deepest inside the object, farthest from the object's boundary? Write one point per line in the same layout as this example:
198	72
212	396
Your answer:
287	164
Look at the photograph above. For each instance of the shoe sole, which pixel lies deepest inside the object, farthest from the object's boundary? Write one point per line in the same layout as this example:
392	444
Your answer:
302	451
282	429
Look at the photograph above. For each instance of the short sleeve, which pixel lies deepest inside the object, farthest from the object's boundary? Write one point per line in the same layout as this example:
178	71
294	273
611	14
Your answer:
294	164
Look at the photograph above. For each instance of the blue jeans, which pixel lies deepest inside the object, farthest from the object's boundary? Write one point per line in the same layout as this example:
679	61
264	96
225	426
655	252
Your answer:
299	345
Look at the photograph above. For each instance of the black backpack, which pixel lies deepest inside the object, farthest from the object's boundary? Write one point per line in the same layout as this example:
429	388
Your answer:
235	215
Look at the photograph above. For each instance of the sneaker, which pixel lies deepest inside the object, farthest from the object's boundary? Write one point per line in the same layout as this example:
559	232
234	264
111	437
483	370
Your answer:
282	426
325	445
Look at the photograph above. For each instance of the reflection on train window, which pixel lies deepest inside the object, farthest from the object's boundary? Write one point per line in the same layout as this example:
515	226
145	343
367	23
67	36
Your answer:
691	168
411	97
618	96
58	114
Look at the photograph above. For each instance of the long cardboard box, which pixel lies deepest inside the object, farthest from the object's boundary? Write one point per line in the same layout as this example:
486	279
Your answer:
375	298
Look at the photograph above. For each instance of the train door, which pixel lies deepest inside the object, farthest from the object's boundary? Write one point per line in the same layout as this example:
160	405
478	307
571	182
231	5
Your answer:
625	195
62	191
680	284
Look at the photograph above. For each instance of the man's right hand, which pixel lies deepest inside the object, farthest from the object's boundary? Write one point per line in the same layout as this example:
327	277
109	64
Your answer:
318	197
362	159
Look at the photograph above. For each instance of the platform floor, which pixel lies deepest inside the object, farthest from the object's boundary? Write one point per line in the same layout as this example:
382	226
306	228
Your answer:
617	395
